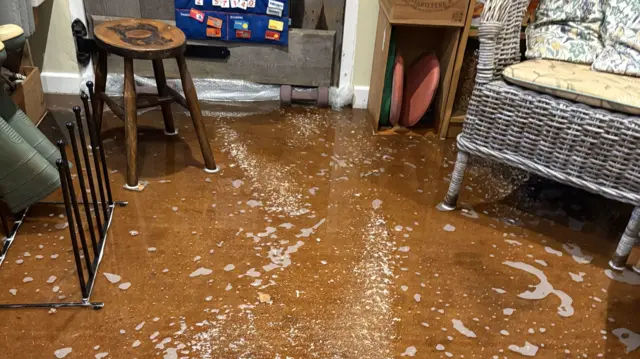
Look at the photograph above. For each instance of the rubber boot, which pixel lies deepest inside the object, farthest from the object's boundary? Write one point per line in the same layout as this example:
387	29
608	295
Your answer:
13	38
26	177
19	121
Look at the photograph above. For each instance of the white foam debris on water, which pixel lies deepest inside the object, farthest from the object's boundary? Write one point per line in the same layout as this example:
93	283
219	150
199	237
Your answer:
553	251
140	326
281	257
504	332
174	208
376	204
508	311
313	190
152	249
404	288
286	225
528	350
409	352
52	279
576	253
113	278
417	297
136	344
252	273
164	181
543	289
469	212
627	276
13	291
541	262
237	183
460	327
229	267
306	232
125	286
101	355
449	228
513	242
628	338
61	353
404	249
499	290
200	272
253	203
133	233
440	347
577	277
27	279
228	287
281	194
62	225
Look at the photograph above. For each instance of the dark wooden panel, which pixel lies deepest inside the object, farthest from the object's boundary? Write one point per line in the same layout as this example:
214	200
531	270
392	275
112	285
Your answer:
120	8
334	16
306	62
158	9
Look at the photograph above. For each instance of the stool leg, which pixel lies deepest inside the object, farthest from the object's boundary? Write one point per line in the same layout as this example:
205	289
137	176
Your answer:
101	84
196	115
161	83
130	125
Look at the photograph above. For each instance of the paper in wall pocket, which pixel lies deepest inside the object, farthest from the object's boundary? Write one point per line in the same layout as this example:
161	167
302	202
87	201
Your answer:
243	34
214	32
199	2
196	14
240	25
216	2
272	35
276	25
214	22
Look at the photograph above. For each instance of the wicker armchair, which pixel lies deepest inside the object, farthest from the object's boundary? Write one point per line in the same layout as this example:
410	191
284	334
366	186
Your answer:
569	142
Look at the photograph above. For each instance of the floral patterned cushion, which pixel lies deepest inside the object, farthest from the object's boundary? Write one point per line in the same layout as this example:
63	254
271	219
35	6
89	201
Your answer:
621	34
578	83
566	30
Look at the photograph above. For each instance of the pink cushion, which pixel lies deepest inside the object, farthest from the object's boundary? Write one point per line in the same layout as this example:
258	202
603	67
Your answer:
420	87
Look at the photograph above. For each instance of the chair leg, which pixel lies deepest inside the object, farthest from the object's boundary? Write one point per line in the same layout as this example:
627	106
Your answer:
196	115
130	125
451	198
101	85
161	83
628	240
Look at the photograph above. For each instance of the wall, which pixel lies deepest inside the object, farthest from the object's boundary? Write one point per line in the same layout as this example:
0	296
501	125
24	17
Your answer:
365	37
53	48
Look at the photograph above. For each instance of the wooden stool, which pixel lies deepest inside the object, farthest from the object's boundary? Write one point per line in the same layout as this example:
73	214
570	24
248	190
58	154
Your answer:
153	40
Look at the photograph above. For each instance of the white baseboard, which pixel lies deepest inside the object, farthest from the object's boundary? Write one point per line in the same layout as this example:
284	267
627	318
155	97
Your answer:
360	96
60	82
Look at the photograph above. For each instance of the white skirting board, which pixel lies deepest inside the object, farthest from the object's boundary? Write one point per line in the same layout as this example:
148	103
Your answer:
360	97
60	82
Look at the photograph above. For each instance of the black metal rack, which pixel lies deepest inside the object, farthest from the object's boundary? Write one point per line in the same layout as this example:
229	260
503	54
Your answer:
87	254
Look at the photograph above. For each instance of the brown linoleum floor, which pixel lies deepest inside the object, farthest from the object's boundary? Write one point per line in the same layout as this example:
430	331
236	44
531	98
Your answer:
319	240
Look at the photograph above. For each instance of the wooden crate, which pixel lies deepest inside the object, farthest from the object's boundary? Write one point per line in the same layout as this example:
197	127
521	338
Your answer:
426	12
447	43
29	96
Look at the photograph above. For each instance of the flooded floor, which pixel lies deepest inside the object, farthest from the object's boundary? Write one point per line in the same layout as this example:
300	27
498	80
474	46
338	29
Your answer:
318	239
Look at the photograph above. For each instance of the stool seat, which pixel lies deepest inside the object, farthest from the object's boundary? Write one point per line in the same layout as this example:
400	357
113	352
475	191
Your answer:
143	39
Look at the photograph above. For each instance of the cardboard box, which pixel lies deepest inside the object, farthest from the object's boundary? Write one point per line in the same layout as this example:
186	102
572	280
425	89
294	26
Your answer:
426	12
29	96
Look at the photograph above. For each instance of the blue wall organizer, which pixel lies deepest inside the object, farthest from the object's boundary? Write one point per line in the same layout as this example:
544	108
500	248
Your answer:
255	21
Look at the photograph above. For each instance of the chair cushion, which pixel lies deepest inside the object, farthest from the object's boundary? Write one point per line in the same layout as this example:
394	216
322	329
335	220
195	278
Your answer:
566	30
621	34
578	83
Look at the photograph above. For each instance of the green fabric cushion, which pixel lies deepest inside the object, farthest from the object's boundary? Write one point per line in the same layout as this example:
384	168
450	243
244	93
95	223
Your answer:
621	34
